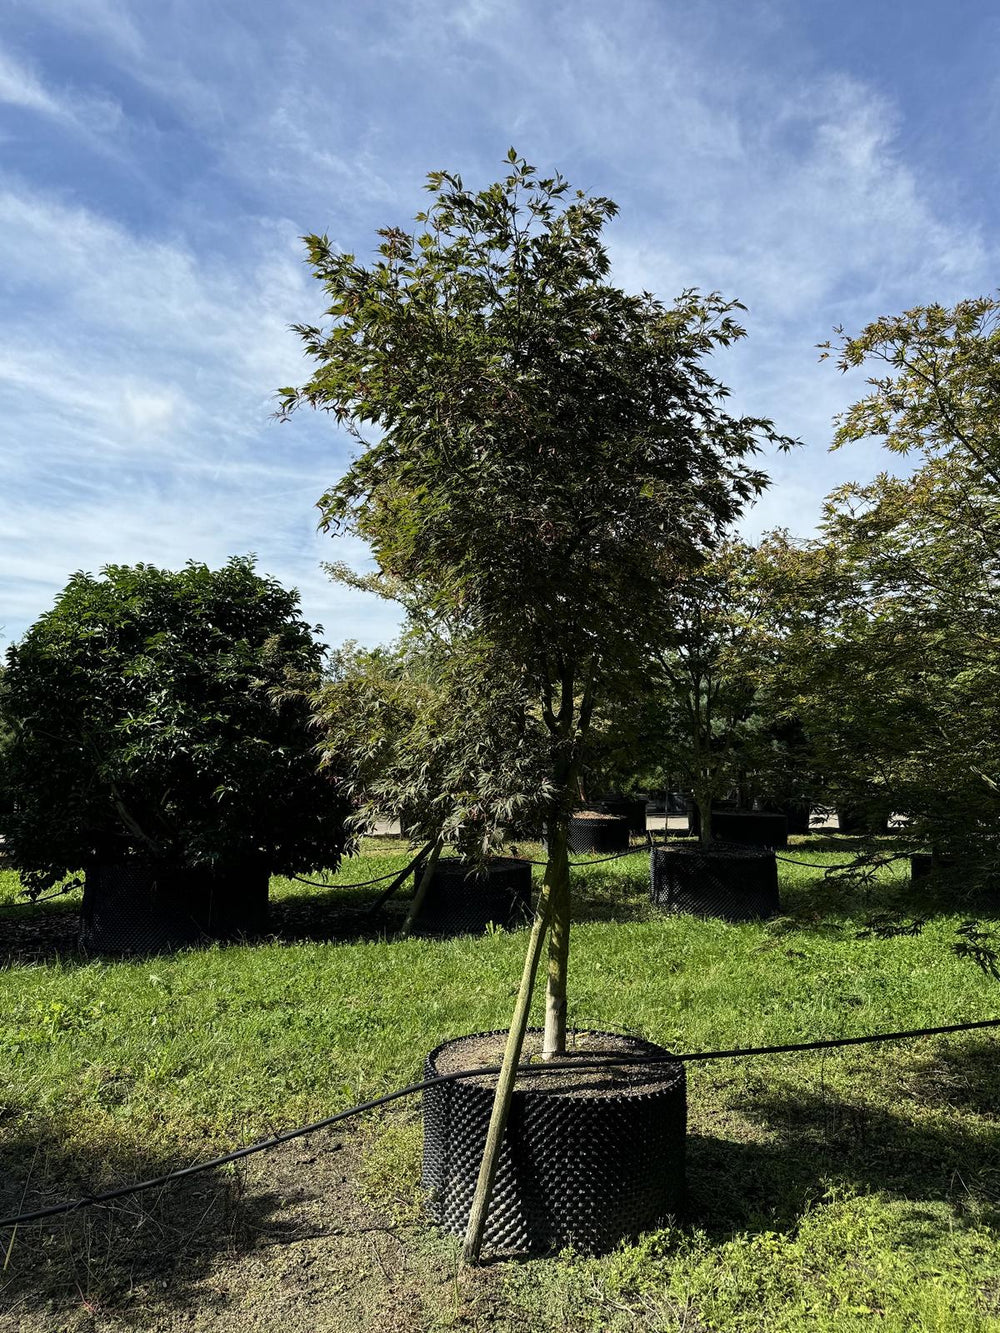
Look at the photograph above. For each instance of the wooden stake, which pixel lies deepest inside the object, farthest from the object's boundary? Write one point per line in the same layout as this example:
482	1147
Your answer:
386	894
505	1082
422	887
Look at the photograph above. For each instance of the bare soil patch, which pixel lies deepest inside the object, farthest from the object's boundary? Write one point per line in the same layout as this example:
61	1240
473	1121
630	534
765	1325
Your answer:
564	1075
287	1240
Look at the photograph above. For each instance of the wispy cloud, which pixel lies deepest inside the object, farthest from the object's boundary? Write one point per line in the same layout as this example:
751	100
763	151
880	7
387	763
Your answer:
144	429
91	114
20	86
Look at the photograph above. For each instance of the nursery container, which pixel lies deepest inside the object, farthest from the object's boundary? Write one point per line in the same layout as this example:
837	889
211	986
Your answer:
587	1159
735	883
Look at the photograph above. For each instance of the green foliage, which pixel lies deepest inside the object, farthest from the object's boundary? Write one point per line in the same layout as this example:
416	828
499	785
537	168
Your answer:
709	717
942	391
435	734
709	670
549	450
550	446
892	656
155	713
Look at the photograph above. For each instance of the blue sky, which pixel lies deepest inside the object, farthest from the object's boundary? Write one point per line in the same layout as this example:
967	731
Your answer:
823	163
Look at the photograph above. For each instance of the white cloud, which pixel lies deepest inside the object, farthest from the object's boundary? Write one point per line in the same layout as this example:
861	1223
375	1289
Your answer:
95	116
19	86
107	21
142	430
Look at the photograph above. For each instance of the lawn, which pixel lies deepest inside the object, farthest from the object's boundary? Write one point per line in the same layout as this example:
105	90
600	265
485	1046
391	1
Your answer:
834	1190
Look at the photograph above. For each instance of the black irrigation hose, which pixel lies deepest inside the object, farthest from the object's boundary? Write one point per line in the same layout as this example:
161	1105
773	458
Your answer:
632	851
362	884
58	1209
366	883
848	865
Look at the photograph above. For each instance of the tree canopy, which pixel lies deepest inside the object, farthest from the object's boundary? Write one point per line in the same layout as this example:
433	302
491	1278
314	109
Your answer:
152	713
550	447
894	654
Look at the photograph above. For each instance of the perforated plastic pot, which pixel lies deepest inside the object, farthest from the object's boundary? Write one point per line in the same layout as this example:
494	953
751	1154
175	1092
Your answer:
574	1169
459	903
737	884
923	863
592	833
629	807
134	908
750	828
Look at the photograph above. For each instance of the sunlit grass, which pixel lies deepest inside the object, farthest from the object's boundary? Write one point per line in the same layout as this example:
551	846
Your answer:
828	1190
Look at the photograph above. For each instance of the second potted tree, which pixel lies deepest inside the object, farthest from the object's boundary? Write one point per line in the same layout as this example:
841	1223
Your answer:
159	742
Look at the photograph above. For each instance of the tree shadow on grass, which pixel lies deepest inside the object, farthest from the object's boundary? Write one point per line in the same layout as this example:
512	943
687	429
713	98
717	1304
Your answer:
154	1250
37	933
813	900
818	1141
46	934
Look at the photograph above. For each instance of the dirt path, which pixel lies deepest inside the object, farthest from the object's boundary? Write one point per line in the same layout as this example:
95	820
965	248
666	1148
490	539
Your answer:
290	1241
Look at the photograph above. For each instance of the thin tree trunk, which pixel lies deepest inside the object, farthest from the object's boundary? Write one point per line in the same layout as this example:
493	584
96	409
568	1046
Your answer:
554	1042
705	817
507	1076
421	893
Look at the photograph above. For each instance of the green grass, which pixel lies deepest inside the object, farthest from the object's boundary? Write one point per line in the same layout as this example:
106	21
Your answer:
828	1191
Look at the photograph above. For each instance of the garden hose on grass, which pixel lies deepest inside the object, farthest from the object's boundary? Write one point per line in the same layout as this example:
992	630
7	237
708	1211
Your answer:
692	1057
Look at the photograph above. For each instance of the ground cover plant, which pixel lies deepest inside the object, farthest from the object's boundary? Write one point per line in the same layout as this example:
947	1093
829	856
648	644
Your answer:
832	1190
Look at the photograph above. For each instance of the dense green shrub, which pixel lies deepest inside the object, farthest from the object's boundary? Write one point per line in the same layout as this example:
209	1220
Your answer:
154	713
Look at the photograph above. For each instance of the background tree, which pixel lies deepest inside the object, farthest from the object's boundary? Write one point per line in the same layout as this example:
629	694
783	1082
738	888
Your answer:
833	654
714	714
707	671
148	714
432	734
892	620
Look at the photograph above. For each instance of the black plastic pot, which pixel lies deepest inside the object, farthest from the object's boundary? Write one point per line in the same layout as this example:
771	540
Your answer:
850	819
606	834
750	828
923	863
588	1168
737	884
629	807
134	908
694	814
459	902
797	816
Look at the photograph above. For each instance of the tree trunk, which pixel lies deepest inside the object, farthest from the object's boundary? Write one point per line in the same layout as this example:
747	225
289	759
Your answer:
507	1076
422	887
705	816
557	874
